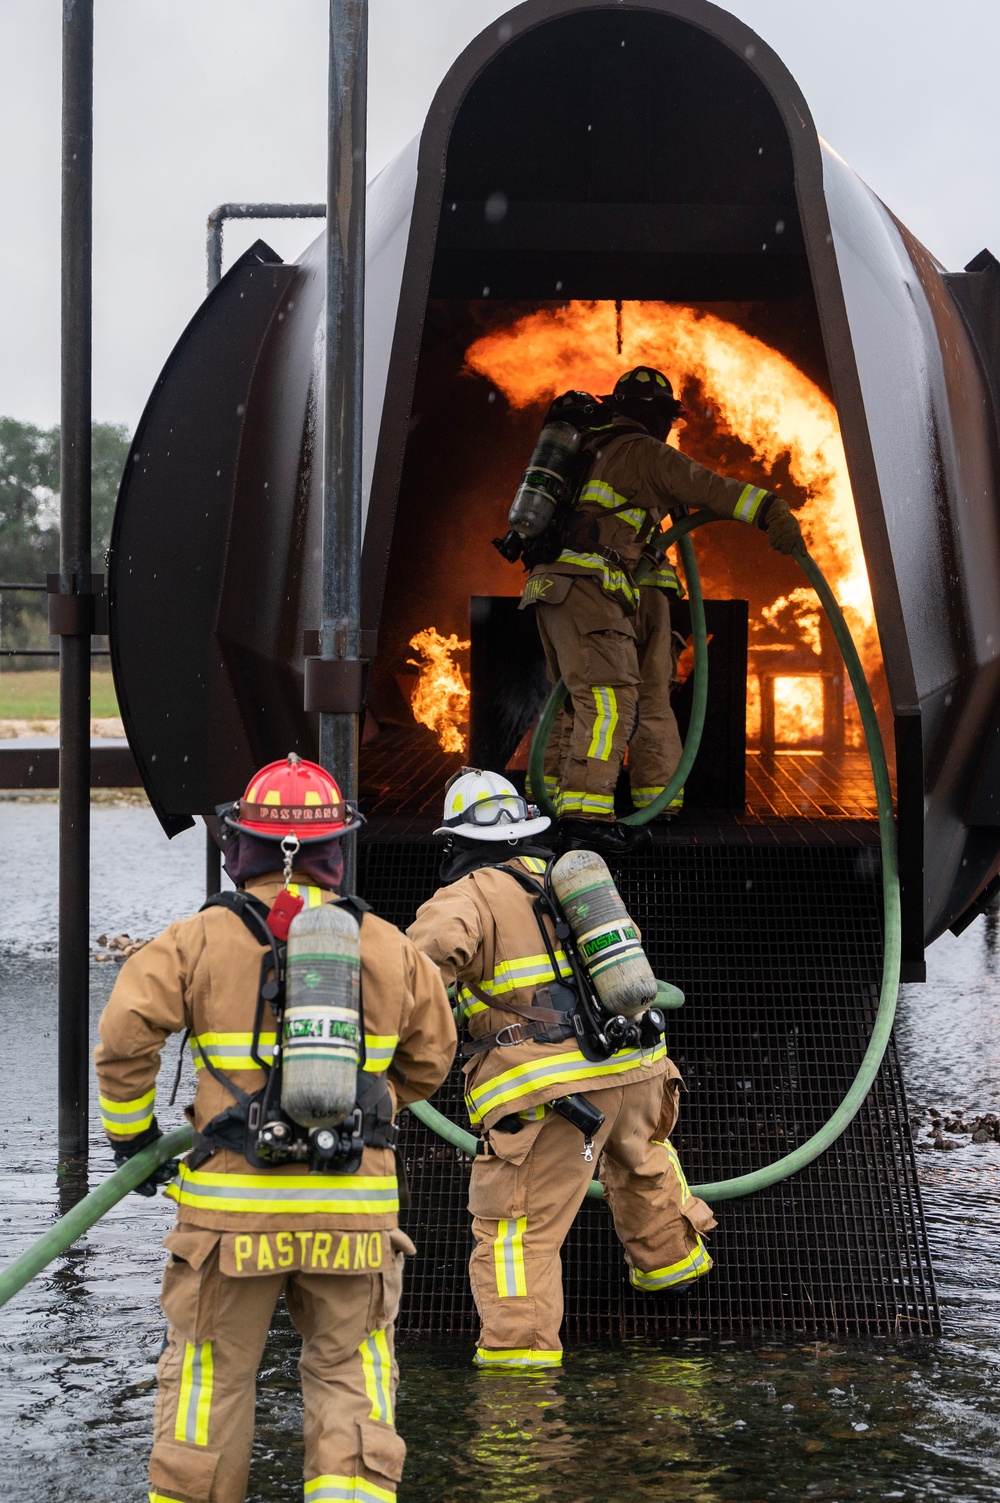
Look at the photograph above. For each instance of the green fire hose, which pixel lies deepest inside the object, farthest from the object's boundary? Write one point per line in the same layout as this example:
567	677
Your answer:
95	1205
799	1158
63	1233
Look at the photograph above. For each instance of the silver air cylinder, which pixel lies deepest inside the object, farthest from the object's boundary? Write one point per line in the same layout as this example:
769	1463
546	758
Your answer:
321	1035
607	940
547	480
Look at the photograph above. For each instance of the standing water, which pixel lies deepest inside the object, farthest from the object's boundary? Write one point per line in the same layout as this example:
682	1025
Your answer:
689	1421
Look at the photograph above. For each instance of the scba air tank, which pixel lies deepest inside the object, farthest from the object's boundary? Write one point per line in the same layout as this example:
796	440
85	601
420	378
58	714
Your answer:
321	1031
553	470
606	939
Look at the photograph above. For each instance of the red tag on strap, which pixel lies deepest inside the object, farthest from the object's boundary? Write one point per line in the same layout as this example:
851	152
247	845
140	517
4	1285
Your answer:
286	905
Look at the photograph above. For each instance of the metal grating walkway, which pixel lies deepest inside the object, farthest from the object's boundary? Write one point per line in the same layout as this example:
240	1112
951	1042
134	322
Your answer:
778	949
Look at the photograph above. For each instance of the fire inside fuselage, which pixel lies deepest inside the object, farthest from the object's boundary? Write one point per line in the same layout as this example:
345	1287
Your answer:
756	408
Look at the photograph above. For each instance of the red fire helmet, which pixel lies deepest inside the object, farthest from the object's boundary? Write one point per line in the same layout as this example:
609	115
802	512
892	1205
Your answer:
293	797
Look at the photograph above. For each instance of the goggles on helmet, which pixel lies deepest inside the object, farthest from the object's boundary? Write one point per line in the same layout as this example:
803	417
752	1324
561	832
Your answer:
493	809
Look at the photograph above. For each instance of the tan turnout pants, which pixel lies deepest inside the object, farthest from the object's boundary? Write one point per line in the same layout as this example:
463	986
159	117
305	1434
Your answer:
524	1203
204	1416
655	749
590	643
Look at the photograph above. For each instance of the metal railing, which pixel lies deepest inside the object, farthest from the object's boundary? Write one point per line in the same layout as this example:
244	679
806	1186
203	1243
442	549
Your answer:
39	652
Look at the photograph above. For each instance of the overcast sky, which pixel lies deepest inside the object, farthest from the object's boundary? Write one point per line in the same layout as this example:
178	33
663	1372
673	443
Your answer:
200	101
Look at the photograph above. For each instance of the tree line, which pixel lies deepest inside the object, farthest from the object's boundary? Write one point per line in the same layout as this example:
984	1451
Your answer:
29	521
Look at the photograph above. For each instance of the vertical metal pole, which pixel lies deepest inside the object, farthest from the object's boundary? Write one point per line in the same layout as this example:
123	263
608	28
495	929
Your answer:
213	866
345	313
74	568
213	856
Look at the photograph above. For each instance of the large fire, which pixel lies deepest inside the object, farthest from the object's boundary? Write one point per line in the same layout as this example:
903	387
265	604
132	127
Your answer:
798	708
755	394
441	697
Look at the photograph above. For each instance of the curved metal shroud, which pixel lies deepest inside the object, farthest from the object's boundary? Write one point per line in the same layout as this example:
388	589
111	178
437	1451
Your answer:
639	150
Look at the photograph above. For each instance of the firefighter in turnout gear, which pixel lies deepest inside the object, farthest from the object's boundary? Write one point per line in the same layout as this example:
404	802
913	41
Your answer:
524	1071
586	604
323	1234
655	748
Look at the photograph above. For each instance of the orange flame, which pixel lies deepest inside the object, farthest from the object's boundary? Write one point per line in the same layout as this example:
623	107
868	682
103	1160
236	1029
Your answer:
798	708
441	697
756	394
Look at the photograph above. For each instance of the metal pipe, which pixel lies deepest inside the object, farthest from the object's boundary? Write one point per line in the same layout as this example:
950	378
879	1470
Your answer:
46	652
213	865
219	215
347	128
74	572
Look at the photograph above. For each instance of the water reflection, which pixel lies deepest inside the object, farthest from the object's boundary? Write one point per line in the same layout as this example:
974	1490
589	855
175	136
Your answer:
638	1424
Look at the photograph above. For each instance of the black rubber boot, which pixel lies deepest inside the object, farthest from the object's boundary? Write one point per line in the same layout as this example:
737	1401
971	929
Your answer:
607	840
637	838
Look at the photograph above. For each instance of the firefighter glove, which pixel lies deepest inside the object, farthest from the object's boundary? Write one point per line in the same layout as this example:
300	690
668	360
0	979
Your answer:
783	531
161	1175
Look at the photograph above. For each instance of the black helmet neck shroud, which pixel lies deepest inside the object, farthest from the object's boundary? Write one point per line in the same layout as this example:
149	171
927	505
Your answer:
462	856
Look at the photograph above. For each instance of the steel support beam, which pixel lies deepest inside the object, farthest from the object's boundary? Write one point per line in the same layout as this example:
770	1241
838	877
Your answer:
345	311
75	578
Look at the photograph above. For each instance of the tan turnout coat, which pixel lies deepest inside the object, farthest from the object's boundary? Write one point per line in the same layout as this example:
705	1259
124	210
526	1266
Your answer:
482	930
202	973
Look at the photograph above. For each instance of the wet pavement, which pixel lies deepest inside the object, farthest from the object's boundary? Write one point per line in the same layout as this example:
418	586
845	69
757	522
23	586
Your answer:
686	1422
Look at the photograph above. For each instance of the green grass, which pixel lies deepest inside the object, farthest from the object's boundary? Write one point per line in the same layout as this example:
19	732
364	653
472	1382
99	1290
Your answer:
35	695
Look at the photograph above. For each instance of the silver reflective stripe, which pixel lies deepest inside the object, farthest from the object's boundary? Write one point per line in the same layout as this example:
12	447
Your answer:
748	505
121	1118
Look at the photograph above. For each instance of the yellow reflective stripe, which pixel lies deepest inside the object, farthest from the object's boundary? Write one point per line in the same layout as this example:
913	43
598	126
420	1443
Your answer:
535	863
599	493
529	970
195	1402
572	802
127	1117
545	1074
691	1267
510	976
287	1194
534	1113
508	1258
748	503
313	895
161	1498
376	1363
379	1049
230	1051
642	797
676	1163
468	1005
333	1488
613	581
606	722
516	1357
664	577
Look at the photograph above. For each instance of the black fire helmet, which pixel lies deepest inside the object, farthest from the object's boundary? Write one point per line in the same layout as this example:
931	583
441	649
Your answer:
647	396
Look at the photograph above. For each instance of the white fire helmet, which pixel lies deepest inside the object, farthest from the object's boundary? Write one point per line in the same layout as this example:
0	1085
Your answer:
484	806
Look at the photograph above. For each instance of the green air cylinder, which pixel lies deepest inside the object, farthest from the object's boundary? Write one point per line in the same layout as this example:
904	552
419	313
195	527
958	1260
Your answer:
321	1031
606	939
547	481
